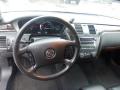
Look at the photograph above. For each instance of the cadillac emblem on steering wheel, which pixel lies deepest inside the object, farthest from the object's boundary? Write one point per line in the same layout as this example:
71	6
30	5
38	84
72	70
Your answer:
50	53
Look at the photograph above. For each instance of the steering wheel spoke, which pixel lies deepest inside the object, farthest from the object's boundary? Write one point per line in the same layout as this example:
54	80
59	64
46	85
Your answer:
23	50
32	69
71	43
67	62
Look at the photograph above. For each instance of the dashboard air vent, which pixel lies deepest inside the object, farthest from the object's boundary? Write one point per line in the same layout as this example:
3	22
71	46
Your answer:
78	28
2	41
91	29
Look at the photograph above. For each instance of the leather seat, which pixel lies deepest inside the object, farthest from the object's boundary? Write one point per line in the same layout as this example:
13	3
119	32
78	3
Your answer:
95	87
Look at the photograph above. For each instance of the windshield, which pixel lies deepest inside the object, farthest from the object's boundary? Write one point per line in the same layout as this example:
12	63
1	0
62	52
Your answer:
14	4
47	3
101	7
75	2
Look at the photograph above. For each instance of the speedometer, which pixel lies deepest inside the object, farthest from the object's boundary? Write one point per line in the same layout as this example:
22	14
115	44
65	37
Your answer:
47	27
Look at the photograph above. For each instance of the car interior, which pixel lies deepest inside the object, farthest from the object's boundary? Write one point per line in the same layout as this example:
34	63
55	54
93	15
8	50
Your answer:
59	50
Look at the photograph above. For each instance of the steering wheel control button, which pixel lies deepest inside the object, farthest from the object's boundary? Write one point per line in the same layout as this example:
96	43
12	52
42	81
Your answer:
50	53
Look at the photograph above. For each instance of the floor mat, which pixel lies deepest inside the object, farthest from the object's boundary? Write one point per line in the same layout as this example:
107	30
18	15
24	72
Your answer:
23	82
72	80
85	74
98	72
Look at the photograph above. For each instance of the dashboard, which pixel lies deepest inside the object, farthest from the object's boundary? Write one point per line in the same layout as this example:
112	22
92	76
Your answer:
94	36
87	34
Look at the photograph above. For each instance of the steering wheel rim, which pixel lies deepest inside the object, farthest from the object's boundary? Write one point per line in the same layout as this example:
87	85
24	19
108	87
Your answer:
61	42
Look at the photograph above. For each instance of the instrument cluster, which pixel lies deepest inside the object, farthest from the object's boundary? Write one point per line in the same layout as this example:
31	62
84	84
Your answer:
47	28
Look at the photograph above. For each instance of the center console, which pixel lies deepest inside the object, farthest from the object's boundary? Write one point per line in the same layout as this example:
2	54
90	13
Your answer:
89	46
89	40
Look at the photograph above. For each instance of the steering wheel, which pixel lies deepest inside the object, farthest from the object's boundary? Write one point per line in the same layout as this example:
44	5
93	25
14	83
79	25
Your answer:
47	51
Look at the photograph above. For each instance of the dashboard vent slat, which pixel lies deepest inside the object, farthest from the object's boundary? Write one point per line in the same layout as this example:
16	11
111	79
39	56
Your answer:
91	29
2	41
78	28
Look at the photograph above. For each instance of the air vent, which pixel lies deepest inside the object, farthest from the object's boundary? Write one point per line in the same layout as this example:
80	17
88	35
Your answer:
2	41
87	44
91	29
78	28
87	39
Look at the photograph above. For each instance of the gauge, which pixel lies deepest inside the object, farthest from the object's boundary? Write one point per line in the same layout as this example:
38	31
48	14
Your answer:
59	28
46	26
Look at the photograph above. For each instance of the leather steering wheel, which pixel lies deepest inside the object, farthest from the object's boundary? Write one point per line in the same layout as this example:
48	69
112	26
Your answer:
46	51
